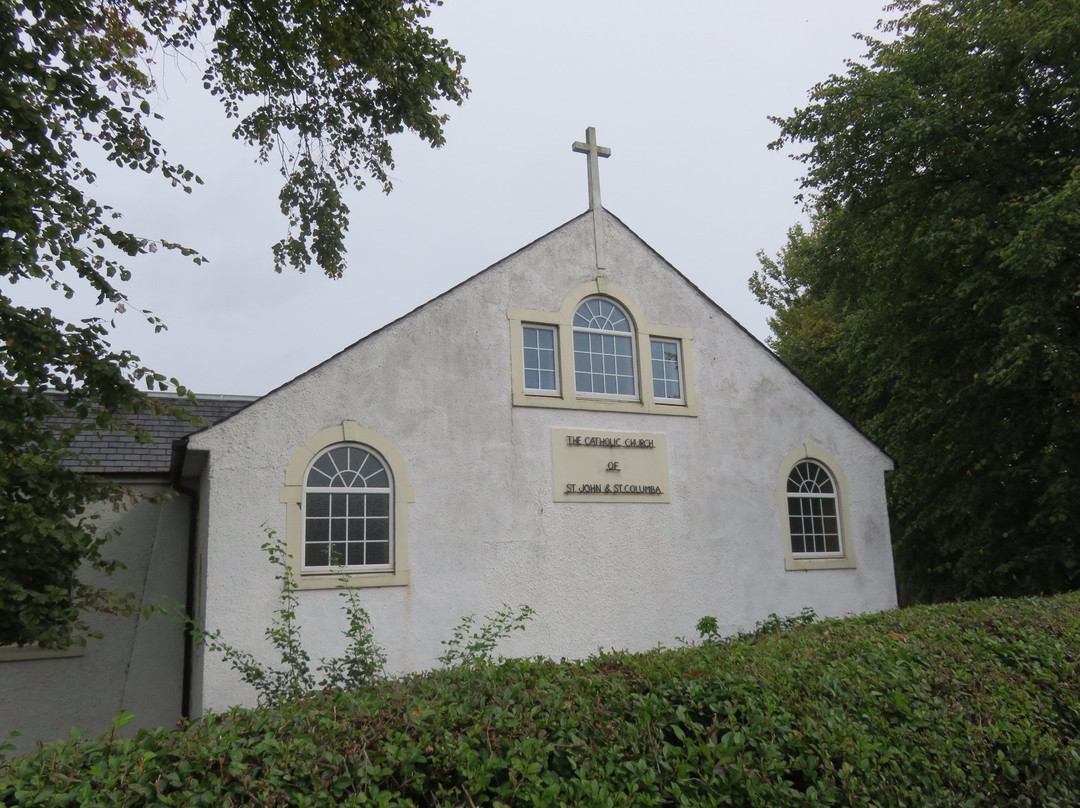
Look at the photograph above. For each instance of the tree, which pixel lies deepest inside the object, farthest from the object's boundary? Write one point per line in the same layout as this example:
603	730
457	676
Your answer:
935	296
323	85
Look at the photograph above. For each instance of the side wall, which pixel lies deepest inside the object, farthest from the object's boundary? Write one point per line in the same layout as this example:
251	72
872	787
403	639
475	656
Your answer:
484	529
136	667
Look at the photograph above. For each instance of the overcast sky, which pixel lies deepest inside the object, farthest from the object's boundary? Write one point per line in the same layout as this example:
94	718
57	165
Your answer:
679	91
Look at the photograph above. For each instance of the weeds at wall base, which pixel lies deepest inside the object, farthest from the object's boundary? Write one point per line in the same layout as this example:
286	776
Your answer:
363	661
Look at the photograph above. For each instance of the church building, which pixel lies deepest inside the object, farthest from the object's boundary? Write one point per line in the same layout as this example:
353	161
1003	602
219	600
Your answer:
576	428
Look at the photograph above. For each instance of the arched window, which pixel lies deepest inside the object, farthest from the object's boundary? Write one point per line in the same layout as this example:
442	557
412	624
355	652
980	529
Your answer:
813	511
348	511
604	361
598	351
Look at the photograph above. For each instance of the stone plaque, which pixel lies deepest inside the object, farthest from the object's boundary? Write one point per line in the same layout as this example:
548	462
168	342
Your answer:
589	465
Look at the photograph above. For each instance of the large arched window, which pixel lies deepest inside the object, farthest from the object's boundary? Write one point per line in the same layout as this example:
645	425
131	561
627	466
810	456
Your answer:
347	495
598	351
604	361
348	511
813	511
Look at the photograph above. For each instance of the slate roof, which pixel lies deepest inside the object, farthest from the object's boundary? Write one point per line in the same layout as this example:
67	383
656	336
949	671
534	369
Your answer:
120	453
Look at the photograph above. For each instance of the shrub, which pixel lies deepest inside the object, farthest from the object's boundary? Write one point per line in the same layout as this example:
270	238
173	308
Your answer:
976	704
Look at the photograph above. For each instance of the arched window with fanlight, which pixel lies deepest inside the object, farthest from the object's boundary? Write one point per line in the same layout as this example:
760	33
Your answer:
599	351
813	511
348	511
605	364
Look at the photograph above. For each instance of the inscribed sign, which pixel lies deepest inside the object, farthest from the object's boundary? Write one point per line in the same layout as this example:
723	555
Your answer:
589	465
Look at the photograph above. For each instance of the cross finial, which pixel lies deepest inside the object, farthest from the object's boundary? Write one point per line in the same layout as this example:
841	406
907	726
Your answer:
594	152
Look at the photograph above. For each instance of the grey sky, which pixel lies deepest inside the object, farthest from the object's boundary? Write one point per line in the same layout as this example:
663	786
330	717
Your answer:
679	91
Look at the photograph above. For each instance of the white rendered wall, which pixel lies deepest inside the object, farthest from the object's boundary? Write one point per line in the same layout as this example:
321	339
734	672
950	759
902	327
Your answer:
484	529
137	666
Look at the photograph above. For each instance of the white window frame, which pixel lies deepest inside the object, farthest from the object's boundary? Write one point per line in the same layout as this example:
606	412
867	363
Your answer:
845	558
655	340
819	521
542	391
292	495
331	491
561	322
630	336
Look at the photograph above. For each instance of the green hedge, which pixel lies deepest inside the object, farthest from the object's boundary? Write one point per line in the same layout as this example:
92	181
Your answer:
975	704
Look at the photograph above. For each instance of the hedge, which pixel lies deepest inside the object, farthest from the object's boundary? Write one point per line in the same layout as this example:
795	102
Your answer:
975	704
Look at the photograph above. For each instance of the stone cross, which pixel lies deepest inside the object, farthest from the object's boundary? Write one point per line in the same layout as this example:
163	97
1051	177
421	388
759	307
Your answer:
594	153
